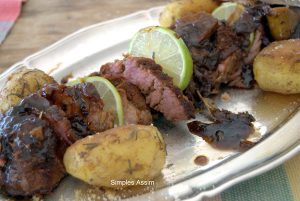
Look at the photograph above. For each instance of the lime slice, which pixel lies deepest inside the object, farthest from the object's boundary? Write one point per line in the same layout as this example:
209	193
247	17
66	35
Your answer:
108	93
167	49
229	12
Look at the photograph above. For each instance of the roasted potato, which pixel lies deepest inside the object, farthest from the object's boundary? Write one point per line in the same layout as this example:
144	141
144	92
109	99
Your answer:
181	8
277	67
282	22
132	153
21	84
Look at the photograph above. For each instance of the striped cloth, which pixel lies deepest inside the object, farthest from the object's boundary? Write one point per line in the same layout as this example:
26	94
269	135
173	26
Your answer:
9	12
279	184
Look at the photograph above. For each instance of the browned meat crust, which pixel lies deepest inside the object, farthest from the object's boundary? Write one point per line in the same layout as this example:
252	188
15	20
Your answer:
218	53
156	86
35	134
193	31
33	138
228	42
83	107
136	110
196	31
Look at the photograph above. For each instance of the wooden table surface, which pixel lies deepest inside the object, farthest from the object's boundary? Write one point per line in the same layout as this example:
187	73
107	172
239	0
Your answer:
43	22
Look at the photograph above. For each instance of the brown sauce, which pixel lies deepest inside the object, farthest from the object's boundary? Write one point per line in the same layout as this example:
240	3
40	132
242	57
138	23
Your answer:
228	131
201	160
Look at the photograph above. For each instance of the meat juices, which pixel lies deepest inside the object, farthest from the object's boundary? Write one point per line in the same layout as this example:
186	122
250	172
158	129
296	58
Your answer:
228	131
156	86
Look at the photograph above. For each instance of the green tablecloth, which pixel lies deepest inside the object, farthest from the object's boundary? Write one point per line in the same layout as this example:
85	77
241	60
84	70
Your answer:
279	184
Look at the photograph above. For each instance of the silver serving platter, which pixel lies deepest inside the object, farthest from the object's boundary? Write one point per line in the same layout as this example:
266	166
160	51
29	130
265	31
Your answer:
278	117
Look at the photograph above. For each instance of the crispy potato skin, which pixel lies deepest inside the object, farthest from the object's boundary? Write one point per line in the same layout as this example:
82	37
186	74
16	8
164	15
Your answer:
132	152
181	8
21	84
277	67
282	22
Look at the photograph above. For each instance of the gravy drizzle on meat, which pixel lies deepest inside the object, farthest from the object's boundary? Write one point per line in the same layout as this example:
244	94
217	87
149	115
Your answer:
228	131
35	134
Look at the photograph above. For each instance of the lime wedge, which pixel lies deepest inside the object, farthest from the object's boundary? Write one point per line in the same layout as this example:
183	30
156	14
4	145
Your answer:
167	49
229	12
108	93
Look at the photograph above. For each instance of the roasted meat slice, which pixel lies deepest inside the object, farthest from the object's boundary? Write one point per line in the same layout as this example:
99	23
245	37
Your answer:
136	110
33	137
83	107
155	85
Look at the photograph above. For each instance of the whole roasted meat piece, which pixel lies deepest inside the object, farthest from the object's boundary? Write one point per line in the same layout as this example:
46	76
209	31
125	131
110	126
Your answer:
35	134
33	137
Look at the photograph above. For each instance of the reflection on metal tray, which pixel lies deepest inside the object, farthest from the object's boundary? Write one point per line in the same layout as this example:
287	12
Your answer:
277	122
283	2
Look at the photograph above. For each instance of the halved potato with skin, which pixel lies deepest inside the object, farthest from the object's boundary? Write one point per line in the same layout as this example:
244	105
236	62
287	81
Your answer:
20	84
277	67
132	153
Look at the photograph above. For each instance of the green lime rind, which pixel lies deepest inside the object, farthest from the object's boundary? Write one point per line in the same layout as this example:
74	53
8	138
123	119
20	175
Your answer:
187	68
187	71
111	87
